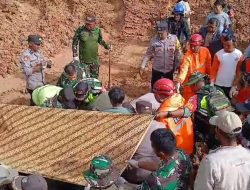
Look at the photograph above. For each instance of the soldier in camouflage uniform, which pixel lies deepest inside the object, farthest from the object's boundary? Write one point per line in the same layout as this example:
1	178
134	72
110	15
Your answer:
71	76
174	170
88	37
102	174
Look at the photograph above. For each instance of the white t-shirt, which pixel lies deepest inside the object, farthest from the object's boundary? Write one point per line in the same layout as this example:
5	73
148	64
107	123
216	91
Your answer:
226	168
227	68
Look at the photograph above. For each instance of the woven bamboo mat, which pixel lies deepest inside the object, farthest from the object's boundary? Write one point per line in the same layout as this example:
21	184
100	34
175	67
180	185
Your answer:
59	144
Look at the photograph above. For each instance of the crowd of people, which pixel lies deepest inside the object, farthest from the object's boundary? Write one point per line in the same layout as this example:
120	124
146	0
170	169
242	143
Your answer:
200	136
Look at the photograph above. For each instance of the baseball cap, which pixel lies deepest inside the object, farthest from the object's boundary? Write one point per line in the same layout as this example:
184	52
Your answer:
102	172
36	39
7	174
143	107
31	182
90	19
228	122
243	107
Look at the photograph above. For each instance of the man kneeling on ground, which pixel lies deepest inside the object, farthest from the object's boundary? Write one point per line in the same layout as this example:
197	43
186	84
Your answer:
174	169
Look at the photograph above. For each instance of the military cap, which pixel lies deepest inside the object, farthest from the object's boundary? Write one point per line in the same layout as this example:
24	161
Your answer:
195	78
102	172
36	39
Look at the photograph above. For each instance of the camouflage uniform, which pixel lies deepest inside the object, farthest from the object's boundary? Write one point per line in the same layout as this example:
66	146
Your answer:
63	81
172	175
88	49
102	173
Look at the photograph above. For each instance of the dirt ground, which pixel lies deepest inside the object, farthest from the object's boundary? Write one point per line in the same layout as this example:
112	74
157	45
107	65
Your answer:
127	25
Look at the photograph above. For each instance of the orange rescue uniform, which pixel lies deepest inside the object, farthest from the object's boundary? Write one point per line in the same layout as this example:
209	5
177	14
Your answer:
194	62
181	127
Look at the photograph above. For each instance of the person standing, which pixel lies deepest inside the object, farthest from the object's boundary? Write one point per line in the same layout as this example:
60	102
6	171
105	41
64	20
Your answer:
220	15
196	59
210	32
33	64
88	37
165	50
227	167
177	25
187	11
225	63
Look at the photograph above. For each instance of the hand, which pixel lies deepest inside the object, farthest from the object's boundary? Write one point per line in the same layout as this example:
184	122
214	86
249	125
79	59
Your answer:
233	92
76	58
212	84
133	164
161	115
141	72
38	68
103	89
49	64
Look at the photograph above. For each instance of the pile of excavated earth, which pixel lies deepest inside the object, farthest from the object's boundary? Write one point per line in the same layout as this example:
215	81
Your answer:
127	24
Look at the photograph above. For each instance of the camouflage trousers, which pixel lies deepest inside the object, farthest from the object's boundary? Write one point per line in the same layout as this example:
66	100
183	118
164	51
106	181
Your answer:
91	69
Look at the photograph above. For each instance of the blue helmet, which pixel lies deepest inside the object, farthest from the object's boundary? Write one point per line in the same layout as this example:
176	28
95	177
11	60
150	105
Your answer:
179	9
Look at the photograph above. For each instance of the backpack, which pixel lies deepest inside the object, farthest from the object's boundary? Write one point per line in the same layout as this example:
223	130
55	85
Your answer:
215	99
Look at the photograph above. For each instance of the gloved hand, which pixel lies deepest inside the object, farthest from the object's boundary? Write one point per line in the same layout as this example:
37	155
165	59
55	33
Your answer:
233	92
178	85
133	163
75	58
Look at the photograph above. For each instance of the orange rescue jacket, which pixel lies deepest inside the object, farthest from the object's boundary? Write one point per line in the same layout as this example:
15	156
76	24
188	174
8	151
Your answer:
181	127
194	62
